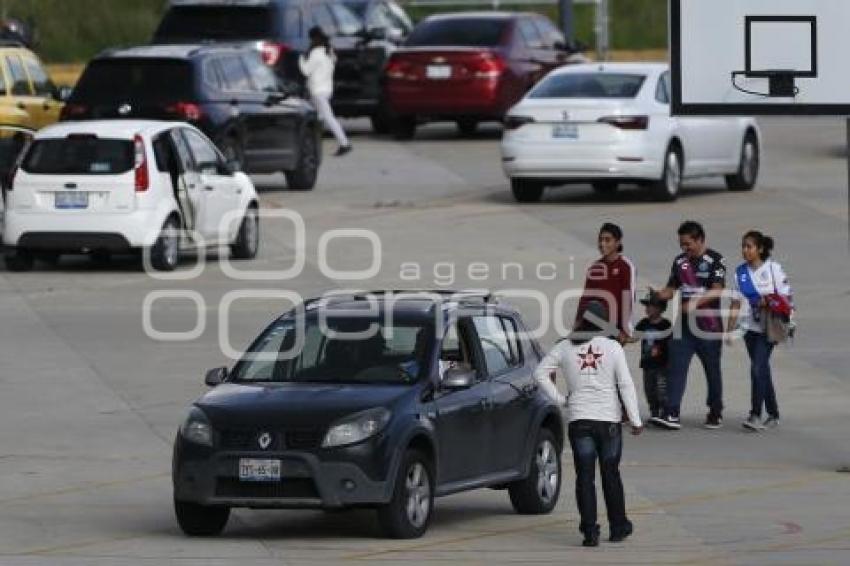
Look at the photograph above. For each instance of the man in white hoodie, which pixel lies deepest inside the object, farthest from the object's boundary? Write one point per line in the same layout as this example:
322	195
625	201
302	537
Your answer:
318	66
598	387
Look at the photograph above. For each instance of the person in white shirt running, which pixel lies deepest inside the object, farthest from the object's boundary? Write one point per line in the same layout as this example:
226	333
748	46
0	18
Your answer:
755	279
318	66
598	385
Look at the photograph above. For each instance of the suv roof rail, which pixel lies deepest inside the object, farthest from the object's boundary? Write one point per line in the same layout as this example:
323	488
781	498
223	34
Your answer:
466	295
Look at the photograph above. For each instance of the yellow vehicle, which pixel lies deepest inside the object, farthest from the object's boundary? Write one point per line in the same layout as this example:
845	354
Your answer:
28	98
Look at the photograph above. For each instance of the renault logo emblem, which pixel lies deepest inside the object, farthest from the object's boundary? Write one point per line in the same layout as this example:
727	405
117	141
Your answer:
125	109
565	115
264	440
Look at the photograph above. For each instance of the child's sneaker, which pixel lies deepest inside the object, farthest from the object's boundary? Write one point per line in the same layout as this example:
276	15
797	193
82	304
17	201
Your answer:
669	422
753	423
713	421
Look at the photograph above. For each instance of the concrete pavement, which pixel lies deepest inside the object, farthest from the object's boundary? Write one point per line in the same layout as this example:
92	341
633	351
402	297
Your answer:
90	404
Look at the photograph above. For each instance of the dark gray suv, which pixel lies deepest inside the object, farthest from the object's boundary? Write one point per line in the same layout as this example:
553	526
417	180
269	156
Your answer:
363	32
379	400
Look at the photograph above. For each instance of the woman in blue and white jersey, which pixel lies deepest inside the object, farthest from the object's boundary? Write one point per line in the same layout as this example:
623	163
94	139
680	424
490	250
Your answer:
754	280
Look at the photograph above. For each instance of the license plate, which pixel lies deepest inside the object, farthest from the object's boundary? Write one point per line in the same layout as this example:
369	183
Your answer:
438	71
565	131
259	470
72	200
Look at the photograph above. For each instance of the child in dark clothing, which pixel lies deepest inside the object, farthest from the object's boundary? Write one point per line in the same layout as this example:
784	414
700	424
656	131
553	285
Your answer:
655	332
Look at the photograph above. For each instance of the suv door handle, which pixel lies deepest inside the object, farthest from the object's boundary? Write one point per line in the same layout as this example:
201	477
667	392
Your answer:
529	389
209	188
22	106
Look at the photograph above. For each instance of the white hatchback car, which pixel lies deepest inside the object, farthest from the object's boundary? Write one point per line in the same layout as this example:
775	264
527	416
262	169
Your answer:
118	185
610	123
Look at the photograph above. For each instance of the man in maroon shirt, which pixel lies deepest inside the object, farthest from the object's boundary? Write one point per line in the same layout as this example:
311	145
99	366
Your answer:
611	279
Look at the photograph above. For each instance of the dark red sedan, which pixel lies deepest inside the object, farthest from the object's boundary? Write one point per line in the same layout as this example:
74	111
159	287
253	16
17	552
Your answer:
470	67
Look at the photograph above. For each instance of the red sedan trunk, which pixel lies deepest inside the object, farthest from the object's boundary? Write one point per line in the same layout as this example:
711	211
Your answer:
451	82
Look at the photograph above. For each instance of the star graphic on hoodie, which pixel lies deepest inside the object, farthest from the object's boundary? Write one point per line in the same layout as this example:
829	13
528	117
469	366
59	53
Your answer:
589	359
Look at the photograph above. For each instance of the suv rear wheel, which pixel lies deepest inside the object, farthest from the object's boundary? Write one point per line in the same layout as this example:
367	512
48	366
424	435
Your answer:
165	253
467	127
526	190
201	520
538	493
247	240
303	177
409	511
404	128
19	260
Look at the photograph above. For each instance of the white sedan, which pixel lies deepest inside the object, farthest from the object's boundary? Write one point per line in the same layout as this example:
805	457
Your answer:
610	123
121	185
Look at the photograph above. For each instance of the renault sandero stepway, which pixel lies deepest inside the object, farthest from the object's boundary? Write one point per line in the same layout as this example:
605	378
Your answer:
377	400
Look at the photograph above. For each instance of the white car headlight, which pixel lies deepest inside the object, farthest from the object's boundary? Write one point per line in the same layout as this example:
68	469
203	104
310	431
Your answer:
356	428
197	428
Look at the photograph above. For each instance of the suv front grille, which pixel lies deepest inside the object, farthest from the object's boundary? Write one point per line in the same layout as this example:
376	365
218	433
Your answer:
295	488
293	439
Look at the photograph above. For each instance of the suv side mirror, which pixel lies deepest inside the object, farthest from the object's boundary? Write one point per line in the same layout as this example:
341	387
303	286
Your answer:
234	166
456	379
216	376
276	97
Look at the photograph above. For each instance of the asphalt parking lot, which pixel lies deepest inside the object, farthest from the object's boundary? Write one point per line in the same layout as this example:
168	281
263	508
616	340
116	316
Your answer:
90	403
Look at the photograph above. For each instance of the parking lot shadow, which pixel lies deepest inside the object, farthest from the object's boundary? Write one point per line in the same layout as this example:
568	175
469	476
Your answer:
582	194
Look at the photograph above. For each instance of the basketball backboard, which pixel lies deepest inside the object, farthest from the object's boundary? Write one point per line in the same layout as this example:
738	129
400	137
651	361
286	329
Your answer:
750	57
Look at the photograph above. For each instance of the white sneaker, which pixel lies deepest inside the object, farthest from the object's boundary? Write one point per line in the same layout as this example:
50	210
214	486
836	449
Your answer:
770	422
753	423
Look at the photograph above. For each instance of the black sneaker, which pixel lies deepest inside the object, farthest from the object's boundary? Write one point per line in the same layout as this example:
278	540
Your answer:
621	534
591	538
713	421
342	150
669	422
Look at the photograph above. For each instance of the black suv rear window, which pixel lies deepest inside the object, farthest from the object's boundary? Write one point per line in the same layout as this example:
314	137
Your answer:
79	155
217	22
589	85
137	80
458	32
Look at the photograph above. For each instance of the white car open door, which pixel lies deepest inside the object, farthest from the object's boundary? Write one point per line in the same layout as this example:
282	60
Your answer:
13	142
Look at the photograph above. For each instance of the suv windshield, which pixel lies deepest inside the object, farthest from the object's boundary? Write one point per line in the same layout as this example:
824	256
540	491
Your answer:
139	80
79	155
342	350
459	32
589	85
217	22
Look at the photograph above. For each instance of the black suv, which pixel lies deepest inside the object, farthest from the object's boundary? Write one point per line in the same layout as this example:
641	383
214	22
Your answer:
363	33
383	400
225	91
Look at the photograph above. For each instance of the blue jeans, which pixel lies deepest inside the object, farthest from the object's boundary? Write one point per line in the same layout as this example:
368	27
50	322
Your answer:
682	350
763	394
603	440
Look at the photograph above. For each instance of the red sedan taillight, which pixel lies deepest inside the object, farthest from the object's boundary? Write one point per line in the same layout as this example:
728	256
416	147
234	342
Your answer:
140	164
272	52
627	122
489	66
188	111
399	69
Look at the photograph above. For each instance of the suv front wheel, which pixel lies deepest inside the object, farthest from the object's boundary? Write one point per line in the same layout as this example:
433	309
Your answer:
538	493
201	520
303	177
409	511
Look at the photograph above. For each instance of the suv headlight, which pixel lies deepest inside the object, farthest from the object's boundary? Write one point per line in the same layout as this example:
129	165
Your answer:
356	428
197	428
